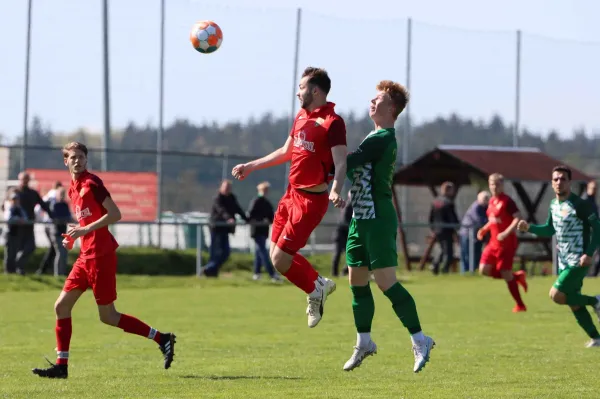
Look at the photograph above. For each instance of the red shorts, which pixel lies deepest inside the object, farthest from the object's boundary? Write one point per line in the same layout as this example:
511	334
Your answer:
500	257
99	274
297	215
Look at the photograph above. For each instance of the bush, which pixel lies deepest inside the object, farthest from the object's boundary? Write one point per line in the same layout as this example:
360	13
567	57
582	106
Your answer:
154	261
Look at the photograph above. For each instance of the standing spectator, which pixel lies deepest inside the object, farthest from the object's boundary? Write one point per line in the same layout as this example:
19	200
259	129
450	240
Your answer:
62	216
14	216
443	214
260	214
28	198
341	237
49	256
590	198
473	220
224	209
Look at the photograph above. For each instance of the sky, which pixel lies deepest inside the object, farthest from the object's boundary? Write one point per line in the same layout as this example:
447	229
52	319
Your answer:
463	60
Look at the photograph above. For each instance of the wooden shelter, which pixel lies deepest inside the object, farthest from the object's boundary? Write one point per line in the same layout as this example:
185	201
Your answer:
464	165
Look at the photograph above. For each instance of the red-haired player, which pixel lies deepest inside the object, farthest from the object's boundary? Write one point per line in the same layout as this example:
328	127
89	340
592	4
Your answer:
316	145
497	258
96	266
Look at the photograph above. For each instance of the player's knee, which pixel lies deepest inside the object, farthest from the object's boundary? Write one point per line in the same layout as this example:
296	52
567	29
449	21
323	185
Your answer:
62	309
557	296
109	317
485	270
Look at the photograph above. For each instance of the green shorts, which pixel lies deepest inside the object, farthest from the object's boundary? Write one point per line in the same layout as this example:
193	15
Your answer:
371	243
570	280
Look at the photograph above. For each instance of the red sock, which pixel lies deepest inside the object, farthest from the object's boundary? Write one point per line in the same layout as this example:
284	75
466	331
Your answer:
63	331
131	325
514	291
302	274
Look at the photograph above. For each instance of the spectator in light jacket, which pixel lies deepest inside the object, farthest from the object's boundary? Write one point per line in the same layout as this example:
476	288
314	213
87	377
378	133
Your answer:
474	219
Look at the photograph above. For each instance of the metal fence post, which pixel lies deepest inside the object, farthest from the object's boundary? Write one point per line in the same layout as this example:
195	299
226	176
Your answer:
199	249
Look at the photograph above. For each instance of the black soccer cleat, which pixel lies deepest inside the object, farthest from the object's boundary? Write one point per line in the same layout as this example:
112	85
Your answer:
167	347
54	371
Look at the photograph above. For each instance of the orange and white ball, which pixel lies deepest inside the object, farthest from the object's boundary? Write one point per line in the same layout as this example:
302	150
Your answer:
206	36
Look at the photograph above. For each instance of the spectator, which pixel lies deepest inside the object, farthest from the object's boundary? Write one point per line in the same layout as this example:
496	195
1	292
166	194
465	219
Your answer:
62	216
441	216
49	256
260	214
474	219
28	198
590	198
340	237
15	216
224	209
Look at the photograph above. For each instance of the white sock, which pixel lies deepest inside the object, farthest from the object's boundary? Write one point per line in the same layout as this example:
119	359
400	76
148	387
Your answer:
363	339
417	338
319	284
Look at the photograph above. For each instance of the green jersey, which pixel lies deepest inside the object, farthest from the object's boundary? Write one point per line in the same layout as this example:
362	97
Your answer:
371	170
577	229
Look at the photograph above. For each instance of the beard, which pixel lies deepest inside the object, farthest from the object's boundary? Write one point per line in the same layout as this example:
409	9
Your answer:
306	100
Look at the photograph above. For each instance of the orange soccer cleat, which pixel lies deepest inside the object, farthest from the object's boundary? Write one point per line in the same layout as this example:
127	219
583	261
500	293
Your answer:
519	308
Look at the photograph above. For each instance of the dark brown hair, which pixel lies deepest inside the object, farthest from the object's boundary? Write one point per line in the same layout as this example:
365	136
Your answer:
563	169
319	78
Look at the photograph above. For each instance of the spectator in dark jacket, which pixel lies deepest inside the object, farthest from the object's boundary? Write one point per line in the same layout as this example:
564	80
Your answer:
222	219
474	219
441	216
28	198
62	216
15	217
260	215
341	237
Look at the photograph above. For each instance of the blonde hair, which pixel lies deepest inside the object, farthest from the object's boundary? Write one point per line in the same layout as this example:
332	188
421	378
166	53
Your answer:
497	177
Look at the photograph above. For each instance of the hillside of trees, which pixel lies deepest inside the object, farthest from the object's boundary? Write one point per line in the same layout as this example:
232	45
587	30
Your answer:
190	179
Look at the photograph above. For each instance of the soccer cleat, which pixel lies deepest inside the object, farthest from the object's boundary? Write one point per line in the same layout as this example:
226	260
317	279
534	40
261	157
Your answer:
422	351
597	307
167	347
593	342
521	278
323	288
359	355
519	308
54	371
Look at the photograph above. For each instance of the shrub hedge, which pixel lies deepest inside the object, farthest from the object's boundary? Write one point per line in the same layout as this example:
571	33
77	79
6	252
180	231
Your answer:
154	261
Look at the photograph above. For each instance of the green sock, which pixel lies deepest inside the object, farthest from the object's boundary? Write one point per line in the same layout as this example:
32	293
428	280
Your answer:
584	319
581	300
363	307
404	306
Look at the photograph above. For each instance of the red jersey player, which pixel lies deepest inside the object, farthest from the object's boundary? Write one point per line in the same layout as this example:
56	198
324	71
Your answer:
316	146
497	258
96	266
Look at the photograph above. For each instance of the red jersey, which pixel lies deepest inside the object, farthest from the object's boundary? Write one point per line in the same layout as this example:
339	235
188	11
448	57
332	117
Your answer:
314	134
501	212
87	194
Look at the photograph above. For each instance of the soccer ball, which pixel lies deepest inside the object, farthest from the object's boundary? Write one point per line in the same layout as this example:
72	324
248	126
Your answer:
206	36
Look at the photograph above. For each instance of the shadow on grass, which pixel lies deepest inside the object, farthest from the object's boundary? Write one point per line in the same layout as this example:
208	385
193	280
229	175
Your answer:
238	377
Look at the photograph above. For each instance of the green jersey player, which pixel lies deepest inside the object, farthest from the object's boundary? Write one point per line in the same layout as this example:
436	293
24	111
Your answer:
371	244
577	231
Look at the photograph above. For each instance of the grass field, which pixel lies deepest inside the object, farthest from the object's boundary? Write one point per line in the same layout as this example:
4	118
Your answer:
241	339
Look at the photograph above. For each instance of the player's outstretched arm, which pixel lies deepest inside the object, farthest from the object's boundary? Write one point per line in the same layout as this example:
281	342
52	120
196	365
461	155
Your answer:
543	230
277	157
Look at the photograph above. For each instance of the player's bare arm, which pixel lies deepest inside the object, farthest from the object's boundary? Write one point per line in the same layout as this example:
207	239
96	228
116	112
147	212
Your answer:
483	231
277	157
113	215
523	226
339	153
510	228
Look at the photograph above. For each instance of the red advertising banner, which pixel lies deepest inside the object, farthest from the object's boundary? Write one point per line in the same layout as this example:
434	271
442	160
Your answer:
134	192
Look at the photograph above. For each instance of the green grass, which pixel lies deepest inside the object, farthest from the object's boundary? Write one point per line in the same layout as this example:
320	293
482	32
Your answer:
241	339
